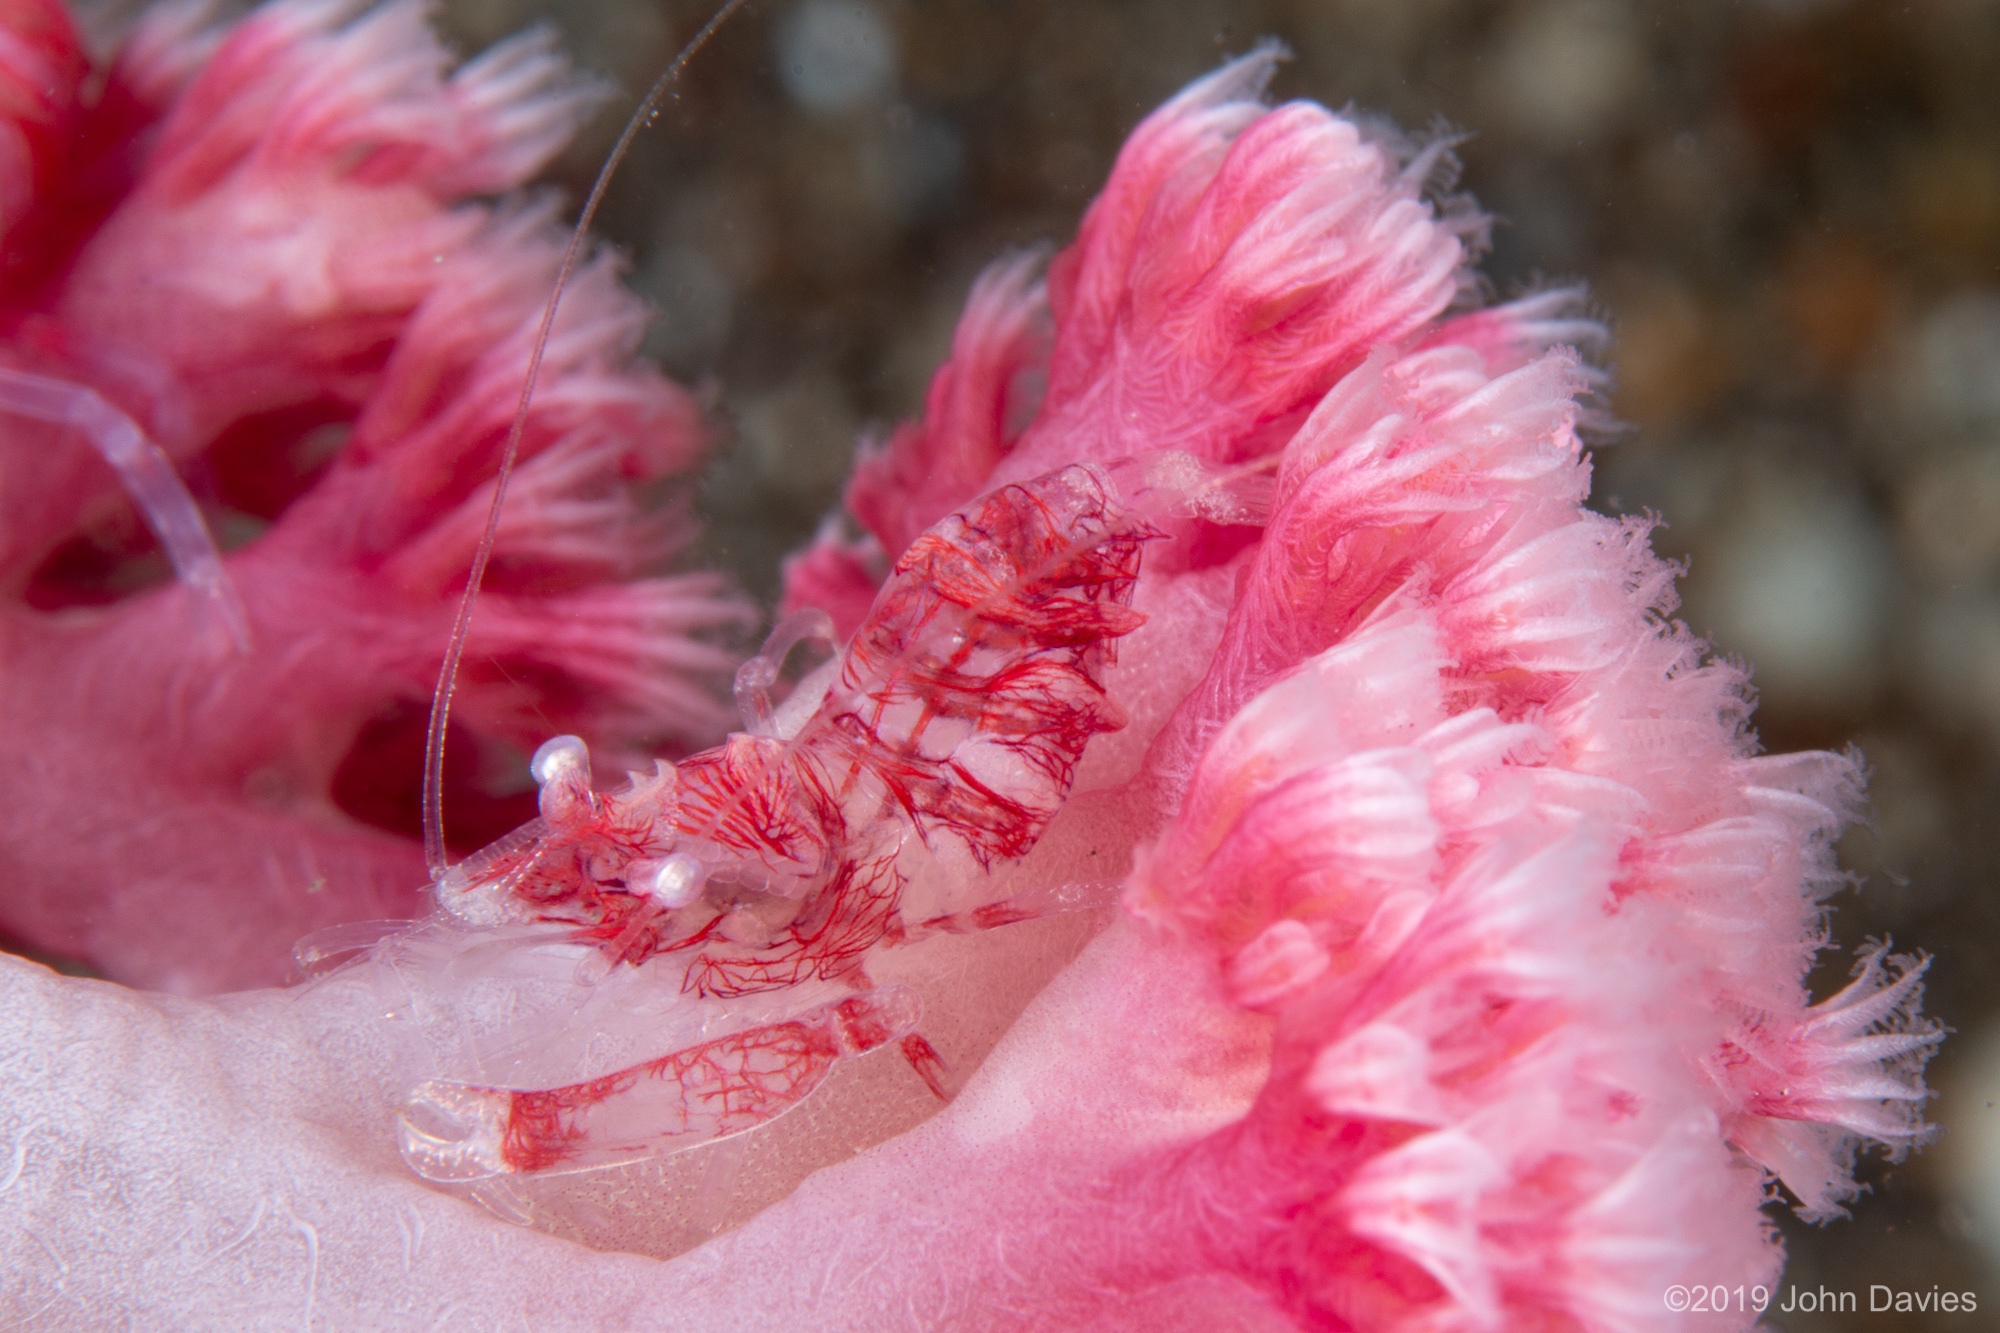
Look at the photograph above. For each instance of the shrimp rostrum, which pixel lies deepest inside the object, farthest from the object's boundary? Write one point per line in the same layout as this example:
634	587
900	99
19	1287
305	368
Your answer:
867	809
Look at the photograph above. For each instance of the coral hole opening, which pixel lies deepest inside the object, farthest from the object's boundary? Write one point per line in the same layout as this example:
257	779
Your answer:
488	791
261	465
113	558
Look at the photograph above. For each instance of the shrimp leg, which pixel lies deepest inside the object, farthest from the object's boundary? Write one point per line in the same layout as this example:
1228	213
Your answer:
453	1131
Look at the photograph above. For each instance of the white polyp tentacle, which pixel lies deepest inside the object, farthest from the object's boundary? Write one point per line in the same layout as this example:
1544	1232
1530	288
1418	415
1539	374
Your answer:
1176	484
147	475
756	676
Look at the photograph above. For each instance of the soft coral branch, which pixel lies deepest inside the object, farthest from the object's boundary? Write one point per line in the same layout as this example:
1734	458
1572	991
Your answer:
302	244
292	207
1435	660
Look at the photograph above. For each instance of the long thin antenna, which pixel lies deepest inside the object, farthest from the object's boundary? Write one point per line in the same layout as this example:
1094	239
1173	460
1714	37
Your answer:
434	850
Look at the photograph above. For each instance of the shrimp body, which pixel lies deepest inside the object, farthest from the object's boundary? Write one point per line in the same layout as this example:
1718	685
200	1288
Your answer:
956	717
953	721
948	730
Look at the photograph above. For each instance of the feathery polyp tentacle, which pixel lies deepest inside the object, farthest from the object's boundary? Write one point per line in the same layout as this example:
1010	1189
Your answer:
435	427
627	659
303	188
302	83
267	237
1851	1064
571	517
42	67
1239	260
1395	479
977	405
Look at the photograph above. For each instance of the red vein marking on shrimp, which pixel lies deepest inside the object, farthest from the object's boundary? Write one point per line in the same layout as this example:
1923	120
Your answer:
853	913
998	622
1041	593
923	1058
709	1091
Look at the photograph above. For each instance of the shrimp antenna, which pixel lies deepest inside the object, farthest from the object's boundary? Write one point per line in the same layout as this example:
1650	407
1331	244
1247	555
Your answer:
648	108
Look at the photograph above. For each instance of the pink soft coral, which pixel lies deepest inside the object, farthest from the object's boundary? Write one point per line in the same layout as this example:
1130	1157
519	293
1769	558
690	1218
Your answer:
1459	977
256	240
1449	754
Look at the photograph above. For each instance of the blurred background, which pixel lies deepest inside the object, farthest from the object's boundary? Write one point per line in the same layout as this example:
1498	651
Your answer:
1789	211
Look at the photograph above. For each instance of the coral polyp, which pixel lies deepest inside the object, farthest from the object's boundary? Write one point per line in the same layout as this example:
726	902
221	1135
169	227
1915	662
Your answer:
1245	845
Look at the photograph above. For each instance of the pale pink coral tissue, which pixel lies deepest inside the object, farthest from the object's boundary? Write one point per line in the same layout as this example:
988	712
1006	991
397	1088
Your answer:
1288	825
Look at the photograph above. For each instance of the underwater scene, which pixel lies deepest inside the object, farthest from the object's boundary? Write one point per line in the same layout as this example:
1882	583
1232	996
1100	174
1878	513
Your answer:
1132	665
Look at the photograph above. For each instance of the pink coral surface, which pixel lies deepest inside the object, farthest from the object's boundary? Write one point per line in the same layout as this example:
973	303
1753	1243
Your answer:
1456	973
265	242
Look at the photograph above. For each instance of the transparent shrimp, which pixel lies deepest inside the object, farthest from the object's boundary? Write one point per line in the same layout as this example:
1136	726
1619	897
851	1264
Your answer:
949	729
954	719
147	475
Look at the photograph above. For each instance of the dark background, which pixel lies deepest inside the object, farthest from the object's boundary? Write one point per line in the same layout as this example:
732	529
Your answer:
1788	210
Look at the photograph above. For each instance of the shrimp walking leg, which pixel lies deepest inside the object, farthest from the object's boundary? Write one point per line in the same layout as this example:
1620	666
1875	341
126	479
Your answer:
457	1131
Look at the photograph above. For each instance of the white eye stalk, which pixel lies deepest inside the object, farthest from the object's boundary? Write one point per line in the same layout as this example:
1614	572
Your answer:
562	767
559	756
